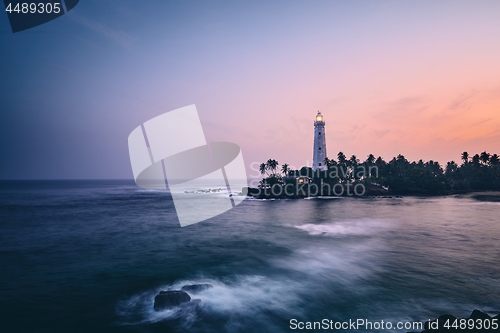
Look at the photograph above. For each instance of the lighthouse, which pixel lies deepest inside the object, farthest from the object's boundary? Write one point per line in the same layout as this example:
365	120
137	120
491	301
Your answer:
319	152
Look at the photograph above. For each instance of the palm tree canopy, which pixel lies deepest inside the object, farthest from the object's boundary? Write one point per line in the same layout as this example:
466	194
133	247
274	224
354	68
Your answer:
262	168
272	165
485	157
341	157
465	157
285	168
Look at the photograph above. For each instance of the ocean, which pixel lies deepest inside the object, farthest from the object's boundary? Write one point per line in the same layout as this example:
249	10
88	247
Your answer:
90	256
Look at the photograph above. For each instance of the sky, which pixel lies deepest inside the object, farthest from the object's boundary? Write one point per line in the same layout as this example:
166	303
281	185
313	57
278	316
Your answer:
418	78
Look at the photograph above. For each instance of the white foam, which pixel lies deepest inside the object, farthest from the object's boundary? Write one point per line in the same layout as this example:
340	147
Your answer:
323	197
244	295
138	309
342	228
343	264
343	261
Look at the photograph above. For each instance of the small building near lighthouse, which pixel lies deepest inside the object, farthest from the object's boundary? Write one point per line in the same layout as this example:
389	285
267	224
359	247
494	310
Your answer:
319	149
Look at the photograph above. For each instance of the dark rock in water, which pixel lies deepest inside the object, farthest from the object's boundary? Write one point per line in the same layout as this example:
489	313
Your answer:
196	288
476	314
170	298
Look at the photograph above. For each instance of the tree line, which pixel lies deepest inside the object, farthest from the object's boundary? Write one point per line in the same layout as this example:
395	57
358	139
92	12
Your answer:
474	173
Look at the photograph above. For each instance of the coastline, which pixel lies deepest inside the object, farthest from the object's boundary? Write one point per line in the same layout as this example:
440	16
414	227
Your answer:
306	191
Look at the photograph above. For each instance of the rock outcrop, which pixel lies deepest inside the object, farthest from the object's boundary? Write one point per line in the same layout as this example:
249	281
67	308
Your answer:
170	298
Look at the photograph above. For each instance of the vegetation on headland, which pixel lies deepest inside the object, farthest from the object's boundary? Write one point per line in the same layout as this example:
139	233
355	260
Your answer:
374	176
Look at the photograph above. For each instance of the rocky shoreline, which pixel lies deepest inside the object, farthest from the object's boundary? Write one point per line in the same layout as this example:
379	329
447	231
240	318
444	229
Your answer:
309	190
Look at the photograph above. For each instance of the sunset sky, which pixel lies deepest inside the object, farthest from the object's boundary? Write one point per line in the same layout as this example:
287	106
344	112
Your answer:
418	78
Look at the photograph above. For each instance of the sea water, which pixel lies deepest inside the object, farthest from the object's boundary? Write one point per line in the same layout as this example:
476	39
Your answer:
90	256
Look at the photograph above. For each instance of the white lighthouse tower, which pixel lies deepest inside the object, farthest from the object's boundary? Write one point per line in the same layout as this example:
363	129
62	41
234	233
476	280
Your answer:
319	152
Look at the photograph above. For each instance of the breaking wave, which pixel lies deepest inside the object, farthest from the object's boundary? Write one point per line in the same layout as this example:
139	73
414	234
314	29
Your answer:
243	296
361	227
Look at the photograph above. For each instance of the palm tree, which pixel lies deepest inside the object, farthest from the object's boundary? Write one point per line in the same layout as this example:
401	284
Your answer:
263	168
465	157
341	157
285	169
353	164
451	167
400	165
485	157
272	165
342	165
